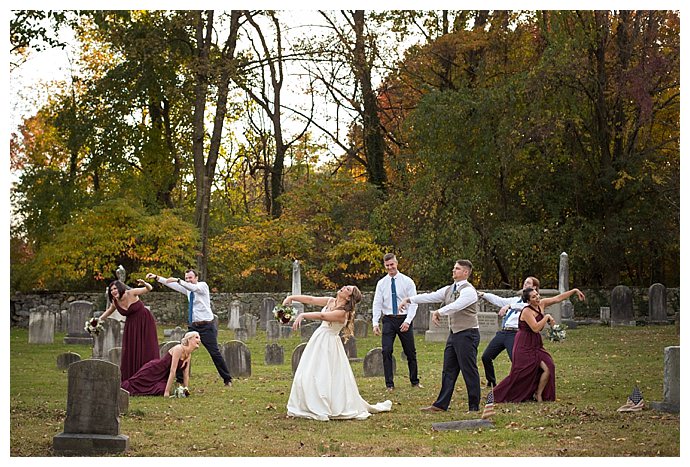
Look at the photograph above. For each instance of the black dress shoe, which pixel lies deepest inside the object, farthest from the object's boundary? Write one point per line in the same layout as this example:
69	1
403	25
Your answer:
432	408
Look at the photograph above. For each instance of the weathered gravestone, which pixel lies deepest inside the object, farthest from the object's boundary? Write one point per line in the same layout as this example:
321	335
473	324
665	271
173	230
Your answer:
350	347
248	322
297	286
489	325
165	346
361	328
123	401
64	360
373	363
41	325
266	316
306	330
241	335
115	355
437	333
238	358
297	356
605	314
671	402
108	338
657	304
78	314
177	334
275	354
567	308
61	321
234	315
92	424
272	330
421	318
622	306
284	331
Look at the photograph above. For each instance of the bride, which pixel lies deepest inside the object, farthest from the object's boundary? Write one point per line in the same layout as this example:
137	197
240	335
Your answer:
324	386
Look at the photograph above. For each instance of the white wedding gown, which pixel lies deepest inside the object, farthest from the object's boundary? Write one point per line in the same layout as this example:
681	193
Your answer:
324	386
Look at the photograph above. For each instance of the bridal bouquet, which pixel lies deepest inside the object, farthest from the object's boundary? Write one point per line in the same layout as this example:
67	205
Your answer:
557	332
180	391
93	326
284	313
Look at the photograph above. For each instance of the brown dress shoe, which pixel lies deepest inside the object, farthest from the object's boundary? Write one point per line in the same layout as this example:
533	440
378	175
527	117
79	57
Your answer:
431	408
418	386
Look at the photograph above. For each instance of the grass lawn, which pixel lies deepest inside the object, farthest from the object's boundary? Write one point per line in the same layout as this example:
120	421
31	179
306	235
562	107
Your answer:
596	369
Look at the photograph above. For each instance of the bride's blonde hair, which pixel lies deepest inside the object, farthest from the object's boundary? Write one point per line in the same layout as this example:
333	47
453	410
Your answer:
349	306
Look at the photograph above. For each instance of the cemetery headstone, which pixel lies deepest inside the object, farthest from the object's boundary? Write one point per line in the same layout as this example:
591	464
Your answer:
272	330
41	325
657	304
248	322
350	347
266	316
421	318
275	354
123	401
165	346
234	315
306	330
61	321
238	358
297	286
373	363
297	356
241	334
437	333
92	424
622	306
64	360
78	313
115	355
284	331
361	328
605	314
110	337
489	325
177	334
671	402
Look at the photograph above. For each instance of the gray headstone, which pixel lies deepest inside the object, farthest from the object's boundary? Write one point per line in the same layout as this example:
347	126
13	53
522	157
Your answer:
110	337
605	314
421	318
78	313
622	306
275	354
373	363
671	402
61	321
437	333
273	330
248	322
350	346
297	286
563	273
361	328
123	401
238	358
306	330
92	424
657	304
284	331
234	315
64	360
266	316
489	324
241	335
216	320
165	346
115	355
177	334
462	425
41	325
297	356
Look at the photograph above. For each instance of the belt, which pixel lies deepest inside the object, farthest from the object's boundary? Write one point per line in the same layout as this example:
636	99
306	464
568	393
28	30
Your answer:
201	323
399	315
510	329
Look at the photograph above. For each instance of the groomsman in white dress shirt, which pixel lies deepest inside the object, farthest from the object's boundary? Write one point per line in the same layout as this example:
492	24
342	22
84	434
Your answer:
390	291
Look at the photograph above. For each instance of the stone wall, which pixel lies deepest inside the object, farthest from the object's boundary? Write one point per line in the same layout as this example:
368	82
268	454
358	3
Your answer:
171	307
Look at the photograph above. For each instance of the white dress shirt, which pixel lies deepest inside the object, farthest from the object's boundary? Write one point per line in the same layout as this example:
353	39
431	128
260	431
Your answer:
466	297
201	308
383	299
513	313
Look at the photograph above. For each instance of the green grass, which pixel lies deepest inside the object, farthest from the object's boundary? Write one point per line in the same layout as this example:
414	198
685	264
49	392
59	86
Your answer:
596	369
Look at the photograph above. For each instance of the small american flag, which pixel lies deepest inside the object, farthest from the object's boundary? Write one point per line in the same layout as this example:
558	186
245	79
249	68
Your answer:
489	407
636	396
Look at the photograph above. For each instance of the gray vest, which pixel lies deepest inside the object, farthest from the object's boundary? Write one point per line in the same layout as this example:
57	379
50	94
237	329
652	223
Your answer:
462	319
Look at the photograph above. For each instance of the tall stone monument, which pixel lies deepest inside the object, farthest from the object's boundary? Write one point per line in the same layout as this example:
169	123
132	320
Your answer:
296	286
79	312
567	307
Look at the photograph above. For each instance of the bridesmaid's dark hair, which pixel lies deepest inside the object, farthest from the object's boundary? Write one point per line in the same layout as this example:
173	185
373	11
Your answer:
525	294
121	288
349	307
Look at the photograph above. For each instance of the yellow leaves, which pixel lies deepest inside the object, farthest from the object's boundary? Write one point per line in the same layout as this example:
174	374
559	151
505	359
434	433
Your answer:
623	177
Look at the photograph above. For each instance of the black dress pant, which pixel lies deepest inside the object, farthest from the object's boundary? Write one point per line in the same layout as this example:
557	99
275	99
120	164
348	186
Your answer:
209	338
502	340
391	328
460	355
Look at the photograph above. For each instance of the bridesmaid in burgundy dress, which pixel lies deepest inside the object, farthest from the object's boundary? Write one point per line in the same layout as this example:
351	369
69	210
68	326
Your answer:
139	339
533	373
157	377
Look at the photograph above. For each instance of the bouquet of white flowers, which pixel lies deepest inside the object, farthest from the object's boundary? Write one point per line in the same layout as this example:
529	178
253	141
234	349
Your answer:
284	313
557	332
180	391
93	326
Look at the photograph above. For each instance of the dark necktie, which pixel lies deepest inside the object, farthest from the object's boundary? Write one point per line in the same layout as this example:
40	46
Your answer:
505	318
394	296
191	306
